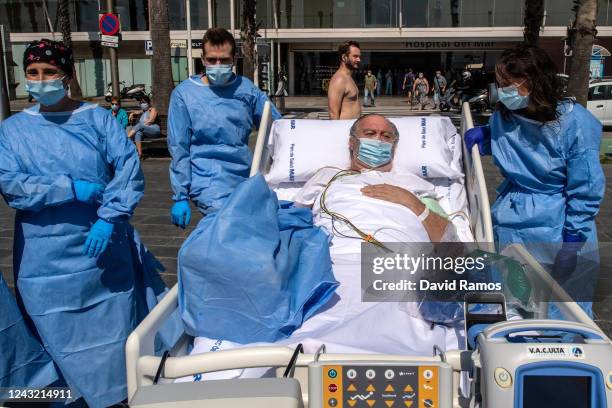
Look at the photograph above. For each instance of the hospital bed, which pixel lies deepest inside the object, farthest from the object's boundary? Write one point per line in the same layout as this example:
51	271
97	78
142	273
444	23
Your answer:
151	378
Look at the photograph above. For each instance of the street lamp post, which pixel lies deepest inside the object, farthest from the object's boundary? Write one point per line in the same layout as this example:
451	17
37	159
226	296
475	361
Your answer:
110	8
189	57
5	110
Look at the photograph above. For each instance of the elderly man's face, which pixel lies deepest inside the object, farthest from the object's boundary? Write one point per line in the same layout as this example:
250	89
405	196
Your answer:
372	127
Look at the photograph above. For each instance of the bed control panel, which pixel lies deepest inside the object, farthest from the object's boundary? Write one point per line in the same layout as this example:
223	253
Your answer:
372	384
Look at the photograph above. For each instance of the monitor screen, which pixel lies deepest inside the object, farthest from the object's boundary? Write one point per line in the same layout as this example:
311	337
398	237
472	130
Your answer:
556	391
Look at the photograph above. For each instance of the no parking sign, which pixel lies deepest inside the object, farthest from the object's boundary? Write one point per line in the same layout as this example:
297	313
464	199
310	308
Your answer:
109	24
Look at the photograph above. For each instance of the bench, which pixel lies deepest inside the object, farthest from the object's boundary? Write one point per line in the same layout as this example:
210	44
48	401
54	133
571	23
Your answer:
157	142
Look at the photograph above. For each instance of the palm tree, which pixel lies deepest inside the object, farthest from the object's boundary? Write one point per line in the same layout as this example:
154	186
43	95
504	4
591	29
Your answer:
248	35
534	17
581	34
63	14
161	67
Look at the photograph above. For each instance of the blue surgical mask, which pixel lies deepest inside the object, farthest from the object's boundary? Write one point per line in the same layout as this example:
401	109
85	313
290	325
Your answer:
144	106
509	96
48	92
115	107
219	74
374	153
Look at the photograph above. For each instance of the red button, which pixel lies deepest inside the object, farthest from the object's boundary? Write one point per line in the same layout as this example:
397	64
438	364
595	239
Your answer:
332	387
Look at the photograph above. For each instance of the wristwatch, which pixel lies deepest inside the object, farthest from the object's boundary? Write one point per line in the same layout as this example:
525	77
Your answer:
424	214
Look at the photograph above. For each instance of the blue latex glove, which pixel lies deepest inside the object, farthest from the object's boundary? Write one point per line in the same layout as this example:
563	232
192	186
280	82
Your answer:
481	136
567	258
181	213
86	191
98	238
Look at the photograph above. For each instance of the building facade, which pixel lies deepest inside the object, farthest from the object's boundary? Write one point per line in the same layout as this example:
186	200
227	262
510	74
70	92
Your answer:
303	35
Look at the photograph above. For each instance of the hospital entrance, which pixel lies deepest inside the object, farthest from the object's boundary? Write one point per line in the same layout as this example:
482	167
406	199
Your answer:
314	69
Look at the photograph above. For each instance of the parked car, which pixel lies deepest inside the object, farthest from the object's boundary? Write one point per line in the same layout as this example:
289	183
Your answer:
599	101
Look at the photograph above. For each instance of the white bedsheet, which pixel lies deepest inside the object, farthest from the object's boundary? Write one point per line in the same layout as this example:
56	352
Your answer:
347	325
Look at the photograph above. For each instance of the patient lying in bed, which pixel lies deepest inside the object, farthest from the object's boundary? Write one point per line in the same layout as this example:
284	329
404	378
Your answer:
382	205
369	201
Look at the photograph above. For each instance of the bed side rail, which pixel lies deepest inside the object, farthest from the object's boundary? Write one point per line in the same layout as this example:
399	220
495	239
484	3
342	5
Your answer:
543	283
141	341
261	154
478	199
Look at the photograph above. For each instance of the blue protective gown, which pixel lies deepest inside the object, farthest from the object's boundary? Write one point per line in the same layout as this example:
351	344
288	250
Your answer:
554	181
83	308
208	131
23	360
255	270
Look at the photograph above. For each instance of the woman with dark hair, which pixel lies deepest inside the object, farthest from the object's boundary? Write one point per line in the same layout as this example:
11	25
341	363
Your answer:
547	148
147	126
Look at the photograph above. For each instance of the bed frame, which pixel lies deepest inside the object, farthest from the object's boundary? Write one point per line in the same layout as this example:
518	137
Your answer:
142	364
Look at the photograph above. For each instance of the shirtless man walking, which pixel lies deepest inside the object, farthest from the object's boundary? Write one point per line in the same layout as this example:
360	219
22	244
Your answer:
343	95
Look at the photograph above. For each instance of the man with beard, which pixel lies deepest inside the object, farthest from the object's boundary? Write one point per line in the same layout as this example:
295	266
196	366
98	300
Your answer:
343	94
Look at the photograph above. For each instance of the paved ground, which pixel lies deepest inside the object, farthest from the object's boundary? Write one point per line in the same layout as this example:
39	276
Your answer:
163	239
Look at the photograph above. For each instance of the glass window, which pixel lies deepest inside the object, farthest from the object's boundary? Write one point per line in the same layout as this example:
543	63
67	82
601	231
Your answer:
222	13
316	14
177	15
199	15
134	14
292	14
608	92
84	15
263	9
414	13
477	13
603	18
508	13
348	13
596	93
443	13
559	12
380	13
28	16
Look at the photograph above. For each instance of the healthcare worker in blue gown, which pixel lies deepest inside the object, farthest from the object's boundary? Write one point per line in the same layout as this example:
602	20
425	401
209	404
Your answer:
547	148
23	360
209	122
82	276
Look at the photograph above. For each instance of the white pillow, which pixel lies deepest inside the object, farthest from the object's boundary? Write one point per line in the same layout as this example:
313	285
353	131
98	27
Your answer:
299	147
426	147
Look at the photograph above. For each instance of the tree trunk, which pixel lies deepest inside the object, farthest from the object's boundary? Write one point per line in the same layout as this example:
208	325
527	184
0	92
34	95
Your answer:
63	11
581	34
534	17
161	67
248	34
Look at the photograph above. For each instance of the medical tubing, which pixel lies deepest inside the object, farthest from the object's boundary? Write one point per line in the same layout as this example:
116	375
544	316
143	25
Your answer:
334	215
162	363
290	370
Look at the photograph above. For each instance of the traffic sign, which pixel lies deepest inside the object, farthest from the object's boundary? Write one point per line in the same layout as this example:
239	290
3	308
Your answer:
109	38
148	47
109	44
109	24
